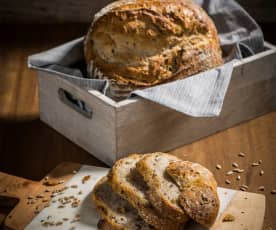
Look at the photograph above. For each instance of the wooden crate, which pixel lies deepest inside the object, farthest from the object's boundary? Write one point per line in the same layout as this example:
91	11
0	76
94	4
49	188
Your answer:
113	129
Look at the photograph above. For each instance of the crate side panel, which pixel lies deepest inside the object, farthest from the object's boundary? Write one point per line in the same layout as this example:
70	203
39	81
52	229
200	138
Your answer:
96	135
251	93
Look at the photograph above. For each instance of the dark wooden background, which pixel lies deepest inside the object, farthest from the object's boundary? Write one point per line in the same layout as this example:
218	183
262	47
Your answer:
53	11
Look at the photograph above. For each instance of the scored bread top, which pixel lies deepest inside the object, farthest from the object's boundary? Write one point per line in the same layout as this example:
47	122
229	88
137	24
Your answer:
129	184
198	186
117	213
163	192
143	43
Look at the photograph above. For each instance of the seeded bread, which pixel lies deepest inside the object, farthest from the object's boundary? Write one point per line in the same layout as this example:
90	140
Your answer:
163	192
116	212
142	43
128	183
198	186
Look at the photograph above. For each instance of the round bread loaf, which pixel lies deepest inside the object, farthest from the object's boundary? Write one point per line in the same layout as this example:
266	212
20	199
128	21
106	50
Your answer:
142	43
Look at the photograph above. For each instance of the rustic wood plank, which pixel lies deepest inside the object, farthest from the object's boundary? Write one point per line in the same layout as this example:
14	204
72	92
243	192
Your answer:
55	11
256	139
23	189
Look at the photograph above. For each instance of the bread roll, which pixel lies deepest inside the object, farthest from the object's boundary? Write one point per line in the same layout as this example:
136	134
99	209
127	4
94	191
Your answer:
139	43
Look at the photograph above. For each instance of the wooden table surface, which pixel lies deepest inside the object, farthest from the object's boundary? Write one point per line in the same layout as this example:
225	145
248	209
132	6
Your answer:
30	149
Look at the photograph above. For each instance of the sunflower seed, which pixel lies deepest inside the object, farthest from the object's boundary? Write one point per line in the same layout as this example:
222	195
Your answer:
235	165
238	177
228	182
241	154
261	172
244	186
229	173
255	164
218	167
261	188
273	192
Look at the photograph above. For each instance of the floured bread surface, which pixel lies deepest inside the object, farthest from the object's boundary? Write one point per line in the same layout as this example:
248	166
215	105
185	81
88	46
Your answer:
198	186
163	192
116	212
129	184
139	43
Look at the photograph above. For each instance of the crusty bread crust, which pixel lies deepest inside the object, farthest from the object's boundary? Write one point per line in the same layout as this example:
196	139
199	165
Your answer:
198	186
126	181
163	193
139	43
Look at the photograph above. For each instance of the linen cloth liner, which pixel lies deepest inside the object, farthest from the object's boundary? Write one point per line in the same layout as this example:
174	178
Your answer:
201	95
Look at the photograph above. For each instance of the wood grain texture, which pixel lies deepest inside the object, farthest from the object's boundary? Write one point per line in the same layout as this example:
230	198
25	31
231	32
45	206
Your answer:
57	11
30	149
22	189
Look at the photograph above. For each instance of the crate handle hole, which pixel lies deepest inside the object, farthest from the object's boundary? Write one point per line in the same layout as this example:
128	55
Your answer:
75	103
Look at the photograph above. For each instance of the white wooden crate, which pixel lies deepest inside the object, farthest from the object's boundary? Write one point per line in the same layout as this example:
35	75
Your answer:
114	129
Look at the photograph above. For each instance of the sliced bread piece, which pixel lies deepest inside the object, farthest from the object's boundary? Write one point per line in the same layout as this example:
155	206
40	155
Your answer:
128	183
198	186
163	192
116	212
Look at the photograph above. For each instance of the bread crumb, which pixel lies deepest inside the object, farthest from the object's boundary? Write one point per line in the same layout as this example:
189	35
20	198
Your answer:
228	218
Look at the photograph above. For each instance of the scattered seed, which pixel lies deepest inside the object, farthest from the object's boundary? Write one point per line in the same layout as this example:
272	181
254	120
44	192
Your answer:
30	197
65	219
241	154
261	188
244	186
47	190
260	162
46	178
218	167
229	173
61	181
228	182
261	172
74	186
238	177
80	193
59	223
61	206
39	196
235	165
255	164
50	183
273	192
228	218
85	179
36	212
243	189
48	217
75	172
45	200
238	170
